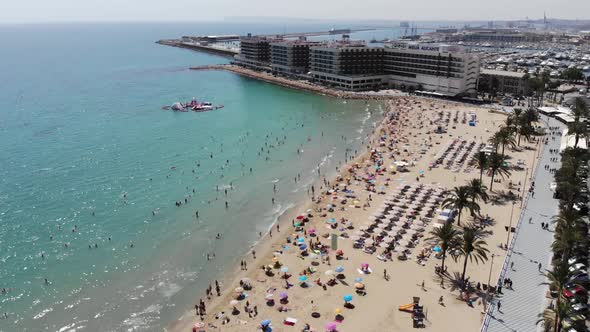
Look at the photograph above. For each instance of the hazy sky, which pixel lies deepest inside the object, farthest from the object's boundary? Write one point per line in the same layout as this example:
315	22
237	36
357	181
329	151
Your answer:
200	10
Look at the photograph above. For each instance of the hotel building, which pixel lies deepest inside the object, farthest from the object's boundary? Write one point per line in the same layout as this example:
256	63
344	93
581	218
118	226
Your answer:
347	65
442	69
291	57
255	52
353	66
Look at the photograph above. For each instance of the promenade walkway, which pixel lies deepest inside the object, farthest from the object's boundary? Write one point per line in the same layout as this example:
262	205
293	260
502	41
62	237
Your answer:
521	305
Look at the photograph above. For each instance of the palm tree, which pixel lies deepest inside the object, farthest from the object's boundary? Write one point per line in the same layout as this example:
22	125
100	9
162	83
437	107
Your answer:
498	166
481	161
567	233
552	317
458	200
477	191
502	138
472	247
446	238
556	281
578	128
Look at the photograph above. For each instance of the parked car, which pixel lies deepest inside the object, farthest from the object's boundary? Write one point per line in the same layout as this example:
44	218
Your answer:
578	267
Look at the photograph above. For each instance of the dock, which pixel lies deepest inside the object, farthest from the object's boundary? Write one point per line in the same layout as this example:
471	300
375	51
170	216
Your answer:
218	44
226	52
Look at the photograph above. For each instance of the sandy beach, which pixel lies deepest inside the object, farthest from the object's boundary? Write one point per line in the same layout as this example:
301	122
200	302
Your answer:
345	206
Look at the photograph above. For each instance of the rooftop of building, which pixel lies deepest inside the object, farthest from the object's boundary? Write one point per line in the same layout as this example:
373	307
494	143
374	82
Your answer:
506	73
443	48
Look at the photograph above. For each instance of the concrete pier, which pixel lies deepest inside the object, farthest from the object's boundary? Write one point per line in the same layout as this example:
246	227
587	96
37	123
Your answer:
202	48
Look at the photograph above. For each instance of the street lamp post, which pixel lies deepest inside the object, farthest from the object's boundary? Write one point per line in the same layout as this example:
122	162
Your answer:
524	187
487	301
510	227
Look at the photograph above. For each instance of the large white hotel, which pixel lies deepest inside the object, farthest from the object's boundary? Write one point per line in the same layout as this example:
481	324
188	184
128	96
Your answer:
353	66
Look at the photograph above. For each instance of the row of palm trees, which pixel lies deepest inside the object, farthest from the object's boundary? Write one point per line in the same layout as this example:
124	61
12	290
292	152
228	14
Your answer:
570	224
519	125
465	241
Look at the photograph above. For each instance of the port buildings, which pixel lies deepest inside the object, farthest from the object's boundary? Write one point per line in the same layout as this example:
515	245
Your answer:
354	66
503	82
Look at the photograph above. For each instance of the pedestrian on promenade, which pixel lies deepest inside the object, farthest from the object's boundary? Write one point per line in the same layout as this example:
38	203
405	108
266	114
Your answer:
540	266
499	306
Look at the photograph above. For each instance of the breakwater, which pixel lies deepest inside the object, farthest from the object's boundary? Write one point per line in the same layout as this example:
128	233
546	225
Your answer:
226	52
300	84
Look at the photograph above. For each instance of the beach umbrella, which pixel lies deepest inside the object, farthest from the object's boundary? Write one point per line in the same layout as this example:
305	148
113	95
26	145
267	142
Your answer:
300	217
297	224
359	285
268	296
338	311
303	246
199	325
365	265
339	252
358	279
239	290
284	269
331	327
347	298
339	269
233	302
311	231
369	242
300	240
331	221
265	322
329	272
437	249
283	295
303	278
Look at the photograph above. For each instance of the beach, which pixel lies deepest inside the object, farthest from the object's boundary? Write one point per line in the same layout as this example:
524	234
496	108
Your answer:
407	136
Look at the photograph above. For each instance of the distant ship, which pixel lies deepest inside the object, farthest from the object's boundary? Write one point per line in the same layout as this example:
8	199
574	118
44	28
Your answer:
338	31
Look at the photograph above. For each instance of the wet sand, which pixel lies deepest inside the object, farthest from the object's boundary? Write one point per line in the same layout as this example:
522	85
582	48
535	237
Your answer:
410	133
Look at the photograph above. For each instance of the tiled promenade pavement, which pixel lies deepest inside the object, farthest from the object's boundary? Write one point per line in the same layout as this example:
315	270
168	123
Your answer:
521	305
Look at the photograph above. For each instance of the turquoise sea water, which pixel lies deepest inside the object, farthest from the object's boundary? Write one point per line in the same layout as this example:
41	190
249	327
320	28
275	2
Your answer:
87	185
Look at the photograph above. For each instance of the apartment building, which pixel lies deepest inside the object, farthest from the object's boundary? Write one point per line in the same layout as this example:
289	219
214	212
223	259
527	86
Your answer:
291	56
255	52
348	65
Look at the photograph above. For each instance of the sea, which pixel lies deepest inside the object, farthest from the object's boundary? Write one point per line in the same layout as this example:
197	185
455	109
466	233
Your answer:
100	186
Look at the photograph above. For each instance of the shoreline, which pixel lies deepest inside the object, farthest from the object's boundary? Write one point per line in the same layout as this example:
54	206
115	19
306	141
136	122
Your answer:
263	247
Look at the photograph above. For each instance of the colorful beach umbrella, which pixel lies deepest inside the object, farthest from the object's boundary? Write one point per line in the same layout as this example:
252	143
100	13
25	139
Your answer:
358	279
284	269
339	269
303	278
303	246
331	327
331	220
347	298
437	249
283	295
265	322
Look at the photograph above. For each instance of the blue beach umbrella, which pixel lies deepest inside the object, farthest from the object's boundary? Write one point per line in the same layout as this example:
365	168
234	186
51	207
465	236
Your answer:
300	240
437	249
358	279
303	278
331	220
284	269
265	322
302	246
347	298
339	269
